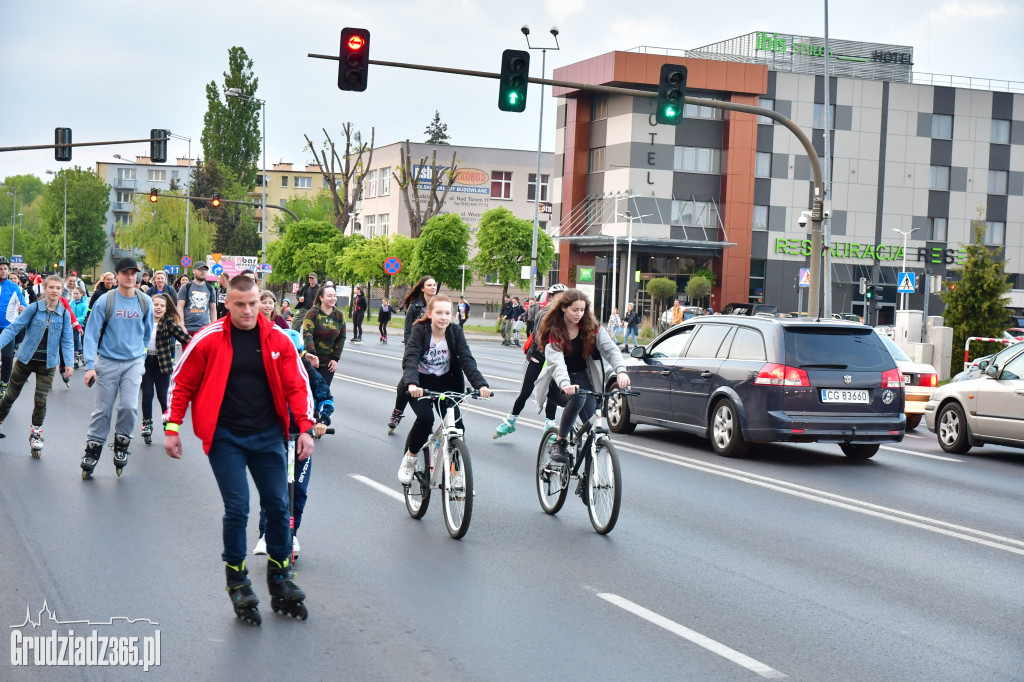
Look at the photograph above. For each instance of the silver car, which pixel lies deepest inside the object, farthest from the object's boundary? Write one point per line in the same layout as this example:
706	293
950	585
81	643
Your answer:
987	409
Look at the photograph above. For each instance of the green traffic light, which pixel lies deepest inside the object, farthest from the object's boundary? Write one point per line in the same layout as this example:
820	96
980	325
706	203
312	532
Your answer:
671	112
513	97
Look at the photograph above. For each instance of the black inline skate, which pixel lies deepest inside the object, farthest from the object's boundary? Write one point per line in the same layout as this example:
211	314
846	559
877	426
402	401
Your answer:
285	596
120	447
92	456
147	431
239	588
35	441
396	416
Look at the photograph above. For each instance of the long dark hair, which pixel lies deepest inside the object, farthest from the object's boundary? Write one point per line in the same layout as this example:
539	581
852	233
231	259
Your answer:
416	292
319	300
171	310
440	298
553	329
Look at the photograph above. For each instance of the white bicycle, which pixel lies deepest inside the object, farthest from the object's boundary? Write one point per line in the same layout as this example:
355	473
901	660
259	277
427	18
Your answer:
444	464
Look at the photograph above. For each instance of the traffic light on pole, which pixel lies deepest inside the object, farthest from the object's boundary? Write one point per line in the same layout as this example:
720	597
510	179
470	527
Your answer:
671	91
153	195
354	59
215	201
869	292
158	148
515	74
62	136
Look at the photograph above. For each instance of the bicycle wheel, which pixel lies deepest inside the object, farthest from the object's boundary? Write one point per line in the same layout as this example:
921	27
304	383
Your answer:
417	493
604	486
457	487
551	490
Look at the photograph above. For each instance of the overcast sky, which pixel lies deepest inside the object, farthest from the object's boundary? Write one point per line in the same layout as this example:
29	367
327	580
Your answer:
113	70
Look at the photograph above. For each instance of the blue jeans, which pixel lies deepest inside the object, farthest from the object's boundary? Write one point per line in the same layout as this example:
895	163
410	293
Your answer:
303	470
631	331
264	455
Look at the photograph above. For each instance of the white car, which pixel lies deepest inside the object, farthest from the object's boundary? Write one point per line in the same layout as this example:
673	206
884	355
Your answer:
920	382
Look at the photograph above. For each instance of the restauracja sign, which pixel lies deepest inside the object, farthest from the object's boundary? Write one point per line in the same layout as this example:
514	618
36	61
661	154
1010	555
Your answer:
882	252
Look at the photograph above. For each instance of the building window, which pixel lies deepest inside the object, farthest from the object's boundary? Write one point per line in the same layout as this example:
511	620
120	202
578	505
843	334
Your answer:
531	187
939	178
501	184
697	160
757	270
997	181
259	181
156	175
384	184
937	229
303	183
124	174
122	218
760	217
695	111
763	165
942	126
123	196
599	108
369	225
994	231
1000	131
284	180
174	174
819	115
492	278
596	162
765	103
695	213
370	185
382	223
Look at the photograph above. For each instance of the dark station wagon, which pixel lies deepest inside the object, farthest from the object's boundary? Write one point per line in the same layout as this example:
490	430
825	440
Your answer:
739	380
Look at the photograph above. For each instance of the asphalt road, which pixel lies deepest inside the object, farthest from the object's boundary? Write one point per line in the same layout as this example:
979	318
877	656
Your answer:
794	561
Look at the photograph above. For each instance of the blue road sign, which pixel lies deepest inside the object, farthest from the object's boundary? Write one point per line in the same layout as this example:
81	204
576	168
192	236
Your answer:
17	259
906	282
185	261
805	277
392	266
217	269
172	269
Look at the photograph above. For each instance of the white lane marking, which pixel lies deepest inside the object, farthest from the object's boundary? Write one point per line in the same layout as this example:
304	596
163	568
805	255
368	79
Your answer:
868	508
912	435
920	454
379	487
700	640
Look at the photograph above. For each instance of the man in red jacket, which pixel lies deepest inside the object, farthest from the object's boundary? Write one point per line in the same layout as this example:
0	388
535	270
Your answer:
242	376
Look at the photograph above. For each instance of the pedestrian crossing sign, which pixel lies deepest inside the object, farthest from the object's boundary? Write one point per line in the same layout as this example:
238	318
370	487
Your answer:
805	277
907	282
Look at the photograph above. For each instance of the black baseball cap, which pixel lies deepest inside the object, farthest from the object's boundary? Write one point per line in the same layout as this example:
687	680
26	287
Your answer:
201	265
126	264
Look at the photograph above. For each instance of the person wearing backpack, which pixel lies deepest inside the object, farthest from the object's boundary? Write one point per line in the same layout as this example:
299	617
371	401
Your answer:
197	301
120	326
48	335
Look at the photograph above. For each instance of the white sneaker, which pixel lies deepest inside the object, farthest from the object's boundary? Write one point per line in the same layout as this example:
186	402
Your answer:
407	469
550	424
295	546
261	546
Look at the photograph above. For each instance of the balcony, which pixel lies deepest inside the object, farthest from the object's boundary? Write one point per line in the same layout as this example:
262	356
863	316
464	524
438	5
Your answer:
123	206
124	183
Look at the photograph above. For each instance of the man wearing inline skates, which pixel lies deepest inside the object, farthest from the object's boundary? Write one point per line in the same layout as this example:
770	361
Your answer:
241	374
7	290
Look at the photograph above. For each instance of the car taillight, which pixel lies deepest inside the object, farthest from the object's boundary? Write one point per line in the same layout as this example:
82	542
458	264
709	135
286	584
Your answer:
781	375
892	378
930	380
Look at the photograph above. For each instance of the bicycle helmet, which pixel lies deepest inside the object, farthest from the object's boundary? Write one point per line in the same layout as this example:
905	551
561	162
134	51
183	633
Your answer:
3	261
296	338
557	288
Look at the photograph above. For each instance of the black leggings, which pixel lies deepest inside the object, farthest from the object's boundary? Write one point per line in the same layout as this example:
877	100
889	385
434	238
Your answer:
382	327
357	324
575	405
402	397
154	379
533	368
424	409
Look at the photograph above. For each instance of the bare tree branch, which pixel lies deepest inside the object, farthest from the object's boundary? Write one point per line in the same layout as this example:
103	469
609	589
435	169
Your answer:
409	183
343	175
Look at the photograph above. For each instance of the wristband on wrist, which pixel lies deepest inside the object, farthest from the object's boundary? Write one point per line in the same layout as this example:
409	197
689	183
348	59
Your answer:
170	427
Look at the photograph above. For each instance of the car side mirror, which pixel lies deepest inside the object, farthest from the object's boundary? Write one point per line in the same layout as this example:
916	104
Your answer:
637	352
983	365
992	371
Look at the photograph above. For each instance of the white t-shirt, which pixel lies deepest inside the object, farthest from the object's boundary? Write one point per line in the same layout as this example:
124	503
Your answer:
436	359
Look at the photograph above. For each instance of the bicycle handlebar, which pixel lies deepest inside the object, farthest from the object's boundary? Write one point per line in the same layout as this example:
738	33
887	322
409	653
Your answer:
449	395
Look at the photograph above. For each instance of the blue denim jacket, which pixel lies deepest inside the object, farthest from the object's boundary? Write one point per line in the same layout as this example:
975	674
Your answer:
33	320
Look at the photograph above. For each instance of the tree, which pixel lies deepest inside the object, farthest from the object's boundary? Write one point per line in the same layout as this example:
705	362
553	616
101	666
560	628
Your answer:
283	252
364	260
504	245
27	187
411	180
698	287
976	304
441	248
661	290
344	174
231	128
319	207
88	202
437	132
159	230
228	219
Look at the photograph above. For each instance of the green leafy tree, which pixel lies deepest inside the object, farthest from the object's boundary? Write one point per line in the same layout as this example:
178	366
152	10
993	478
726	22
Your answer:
312	258
88	202
504	244
437	132
706	274
441	248
363	260
698	287
313	208
282	254
231	125
159	230
976	306
26	187
661	291
236	231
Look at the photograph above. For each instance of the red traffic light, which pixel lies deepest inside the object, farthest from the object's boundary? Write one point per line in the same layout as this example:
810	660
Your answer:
355	43
153	195
216	199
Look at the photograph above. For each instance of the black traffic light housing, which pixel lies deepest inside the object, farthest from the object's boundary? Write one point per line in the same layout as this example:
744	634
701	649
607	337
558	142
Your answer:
354	59
870	292
158	148
515	74
215	201
62	136
671	91
154	194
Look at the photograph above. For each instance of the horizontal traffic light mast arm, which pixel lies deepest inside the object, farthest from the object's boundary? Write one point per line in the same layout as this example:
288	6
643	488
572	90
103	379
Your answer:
255	204
81	144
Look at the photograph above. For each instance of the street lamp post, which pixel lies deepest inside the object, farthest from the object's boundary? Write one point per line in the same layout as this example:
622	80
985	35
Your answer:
463	268
629	251
65	260
905	233
540	139
237	92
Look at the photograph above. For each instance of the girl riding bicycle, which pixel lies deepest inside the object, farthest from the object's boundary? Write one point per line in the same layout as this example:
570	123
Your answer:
436	356
575	350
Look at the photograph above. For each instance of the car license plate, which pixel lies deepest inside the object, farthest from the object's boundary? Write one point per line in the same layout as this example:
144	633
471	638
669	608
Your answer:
838	395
